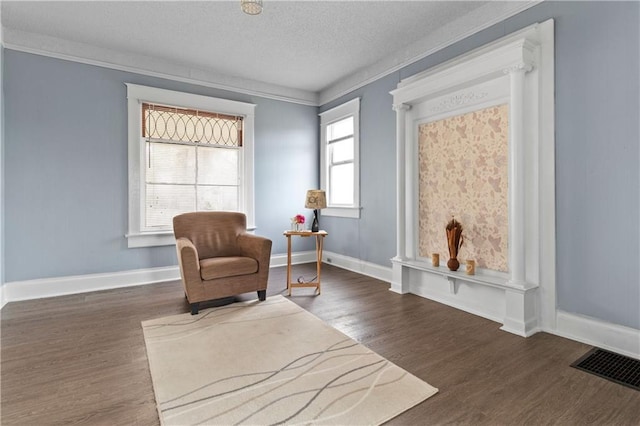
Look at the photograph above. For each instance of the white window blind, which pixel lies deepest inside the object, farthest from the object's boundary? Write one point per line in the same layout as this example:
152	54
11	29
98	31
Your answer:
192	162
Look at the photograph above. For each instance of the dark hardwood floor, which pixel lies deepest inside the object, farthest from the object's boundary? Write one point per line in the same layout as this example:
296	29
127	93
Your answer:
81	359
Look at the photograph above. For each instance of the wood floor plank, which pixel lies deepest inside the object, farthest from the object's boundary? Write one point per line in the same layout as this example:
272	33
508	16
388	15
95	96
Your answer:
81	359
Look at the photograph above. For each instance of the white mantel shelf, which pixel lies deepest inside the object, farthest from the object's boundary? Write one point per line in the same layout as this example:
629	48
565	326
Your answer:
455	276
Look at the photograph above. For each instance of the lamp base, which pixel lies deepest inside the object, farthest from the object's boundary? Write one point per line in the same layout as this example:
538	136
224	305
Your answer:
315	226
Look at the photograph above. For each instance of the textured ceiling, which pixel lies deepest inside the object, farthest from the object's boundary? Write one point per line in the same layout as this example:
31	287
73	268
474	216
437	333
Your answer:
308	46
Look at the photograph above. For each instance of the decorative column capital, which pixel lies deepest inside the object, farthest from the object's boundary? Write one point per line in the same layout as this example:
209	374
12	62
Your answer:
401	107
521	67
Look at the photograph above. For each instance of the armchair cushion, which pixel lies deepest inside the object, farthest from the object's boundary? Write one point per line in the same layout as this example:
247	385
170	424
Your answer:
231	266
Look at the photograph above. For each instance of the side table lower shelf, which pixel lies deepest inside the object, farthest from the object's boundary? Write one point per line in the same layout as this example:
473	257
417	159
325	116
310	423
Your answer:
319	241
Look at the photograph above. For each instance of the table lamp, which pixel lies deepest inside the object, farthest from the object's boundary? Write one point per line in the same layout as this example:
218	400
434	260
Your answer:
316	199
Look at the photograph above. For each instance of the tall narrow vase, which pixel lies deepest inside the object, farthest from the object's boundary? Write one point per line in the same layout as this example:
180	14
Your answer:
454	241
315	226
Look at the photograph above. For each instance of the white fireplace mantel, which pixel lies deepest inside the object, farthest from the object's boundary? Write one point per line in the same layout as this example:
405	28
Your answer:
519	70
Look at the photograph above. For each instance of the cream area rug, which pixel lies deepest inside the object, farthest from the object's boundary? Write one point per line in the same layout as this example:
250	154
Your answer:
270	363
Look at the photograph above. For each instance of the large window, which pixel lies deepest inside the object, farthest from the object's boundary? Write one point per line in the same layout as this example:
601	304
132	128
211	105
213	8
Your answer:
186	153
340	159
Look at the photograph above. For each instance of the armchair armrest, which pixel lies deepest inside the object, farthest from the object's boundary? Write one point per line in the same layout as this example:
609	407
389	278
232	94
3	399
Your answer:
258	248
190	269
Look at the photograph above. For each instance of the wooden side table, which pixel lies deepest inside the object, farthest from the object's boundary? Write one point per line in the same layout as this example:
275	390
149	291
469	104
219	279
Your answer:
319	240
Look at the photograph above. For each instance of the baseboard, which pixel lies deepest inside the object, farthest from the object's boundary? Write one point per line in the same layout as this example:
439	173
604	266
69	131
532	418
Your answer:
296	258
613	337
356	265
2	298
595	332
60	286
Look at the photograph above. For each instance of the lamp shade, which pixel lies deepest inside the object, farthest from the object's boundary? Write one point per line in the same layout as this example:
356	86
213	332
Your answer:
316	199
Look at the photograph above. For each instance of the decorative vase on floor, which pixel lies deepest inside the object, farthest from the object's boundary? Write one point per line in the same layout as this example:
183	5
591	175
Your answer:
454	241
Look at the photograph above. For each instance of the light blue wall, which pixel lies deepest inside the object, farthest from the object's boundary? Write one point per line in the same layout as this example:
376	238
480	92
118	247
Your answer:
66	184
66	167
597	160
287	162
372	237
597	157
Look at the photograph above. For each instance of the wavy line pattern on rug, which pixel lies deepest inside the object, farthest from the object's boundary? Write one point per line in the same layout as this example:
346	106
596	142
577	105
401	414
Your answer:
272	363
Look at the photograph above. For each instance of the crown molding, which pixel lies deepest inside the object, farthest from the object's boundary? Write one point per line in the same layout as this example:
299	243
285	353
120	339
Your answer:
440	39
53	47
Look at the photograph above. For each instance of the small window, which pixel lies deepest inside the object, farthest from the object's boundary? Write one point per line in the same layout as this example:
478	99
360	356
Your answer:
186	153
340	159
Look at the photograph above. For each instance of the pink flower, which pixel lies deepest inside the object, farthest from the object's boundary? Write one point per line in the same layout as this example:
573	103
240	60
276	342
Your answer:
298	219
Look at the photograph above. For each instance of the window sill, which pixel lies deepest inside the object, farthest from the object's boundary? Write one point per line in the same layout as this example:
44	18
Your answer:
151	239
159	238
351	212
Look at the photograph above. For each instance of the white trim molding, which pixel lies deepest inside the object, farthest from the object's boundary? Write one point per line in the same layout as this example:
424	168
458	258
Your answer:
455	31
463	295
297	258
60	286
369	269
478	20
136	95
348	109
519	70
3	300
53	47
595	332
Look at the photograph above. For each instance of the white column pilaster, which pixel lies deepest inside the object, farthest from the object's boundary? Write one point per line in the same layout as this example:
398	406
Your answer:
520	312
401	110
399	279
517	175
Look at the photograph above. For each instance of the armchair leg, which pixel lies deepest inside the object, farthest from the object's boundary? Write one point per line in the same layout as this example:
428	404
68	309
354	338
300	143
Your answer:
195	307
262	295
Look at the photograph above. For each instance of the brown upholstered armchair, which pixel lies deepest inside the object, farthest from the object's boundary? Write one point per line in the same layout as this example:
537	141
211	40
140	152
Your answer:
218	257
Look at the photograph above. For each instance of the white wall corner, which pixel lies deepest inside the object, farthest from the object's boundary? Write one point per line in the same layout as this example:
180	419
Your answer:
595	332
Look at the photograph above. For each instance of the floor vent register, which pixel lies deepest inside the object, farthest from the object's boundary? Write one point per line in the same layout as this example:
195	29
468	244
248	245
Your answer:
611	366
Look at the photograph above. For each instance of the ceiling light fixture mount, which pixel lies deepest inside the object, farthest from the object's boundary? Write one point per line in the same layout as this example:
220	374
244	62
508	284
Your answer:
251	7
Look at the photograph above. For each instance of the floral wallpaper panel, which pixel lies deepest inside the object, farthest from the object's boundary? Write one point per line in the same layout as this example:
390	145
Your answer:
463	172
